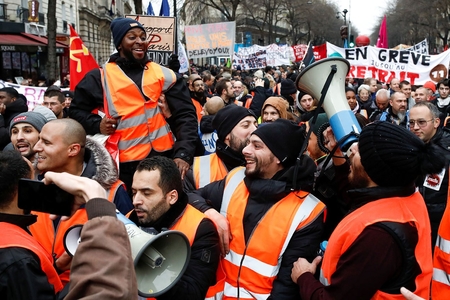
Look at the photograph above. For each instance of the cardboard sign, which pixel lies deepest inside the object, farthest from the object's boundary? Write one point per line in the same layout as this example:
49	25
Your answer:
160	36
215	39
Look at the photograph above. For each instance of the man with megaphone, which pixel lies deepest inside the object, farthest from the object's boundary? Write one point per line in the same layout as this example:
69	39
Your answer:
160	204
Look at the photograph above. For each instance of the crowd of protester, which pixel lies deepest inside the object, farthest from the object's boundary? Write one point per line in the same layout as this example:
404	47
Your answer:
241	162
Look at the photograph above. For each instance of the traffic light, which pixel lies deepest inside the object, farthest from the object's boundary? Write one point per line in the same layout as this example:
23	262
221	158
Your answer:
344	32
351	44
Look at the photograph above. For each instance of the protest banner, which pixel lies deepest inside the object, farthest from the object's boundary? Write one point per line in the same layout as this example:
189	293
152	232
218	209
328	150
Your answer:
182	57
34	95
160	36
209	40
386	64
421	47
300	51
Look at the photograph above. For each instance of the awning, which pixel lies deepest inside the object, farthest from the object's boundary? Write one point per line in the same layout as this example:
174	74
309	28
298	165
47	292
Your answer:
26	42
17	42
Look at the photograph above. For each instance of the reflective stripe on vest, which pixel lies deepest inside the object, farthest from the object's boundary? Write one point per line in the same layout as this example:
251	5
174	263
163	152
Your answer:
232	181
409	209
208	168
230	292
440	285
14	236
257	265
141	125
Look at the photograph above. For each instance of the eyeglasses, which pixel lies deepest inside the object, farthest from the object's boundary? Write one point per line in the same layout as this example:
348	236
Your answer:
421	123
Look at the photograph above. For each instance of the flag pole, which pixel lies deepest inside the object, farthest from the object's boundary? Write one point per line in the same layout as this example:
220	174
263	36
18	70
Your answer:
176	26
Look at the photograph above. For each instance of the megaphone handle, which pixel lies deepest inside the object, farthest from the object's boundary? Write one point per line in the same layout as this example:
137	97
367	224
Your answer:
325	88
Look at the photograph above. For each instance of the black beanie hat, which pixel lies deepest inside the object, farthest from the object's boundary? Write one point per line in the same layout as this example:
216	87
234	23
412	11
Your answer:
120	26
390	154
288	87
228	117
284	138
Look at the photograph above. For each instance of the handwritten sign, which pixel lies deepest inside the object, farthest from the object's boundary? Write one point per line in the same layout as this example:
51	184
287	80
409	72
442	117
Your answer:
160	36
215	39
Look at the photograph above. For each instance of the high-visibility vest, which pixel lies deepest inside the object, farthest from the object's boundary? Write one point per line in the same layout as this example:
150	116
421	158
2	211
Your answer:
52	239
198	109
188	224
14	236
141	124
411	210
252	265
208	168
440	285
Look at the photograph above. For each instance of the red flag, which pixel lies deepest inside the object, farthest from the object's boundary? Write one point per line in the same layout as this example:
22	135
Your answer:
382	41
81	60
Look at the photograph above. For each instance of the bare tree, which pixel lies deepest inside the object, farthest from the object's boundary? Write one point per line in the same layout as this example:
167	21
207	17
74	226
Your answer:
227	8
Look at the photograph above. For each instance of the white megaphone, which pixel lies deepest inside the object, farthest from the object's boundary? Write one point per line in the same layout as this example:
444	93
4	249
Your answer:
312	81
159	260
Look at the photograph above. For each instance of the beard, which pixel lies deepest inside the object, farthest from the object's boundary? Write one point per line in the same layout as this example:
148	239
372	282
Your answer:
236	144
401	116
358	177
130	57
199	94
154	214
259	166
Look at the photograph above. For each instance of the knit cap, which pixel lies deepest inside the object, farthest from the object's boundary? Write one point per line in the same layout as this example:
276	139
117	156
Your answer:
390	154
279	104
46	112
120	26
284	138
33	118
228	117
430	85
288	87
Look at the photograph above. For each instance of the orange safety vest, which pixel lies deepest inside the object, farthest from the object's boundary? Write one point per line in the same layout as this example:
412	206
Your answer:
252	265
14	236
52	239
440	285
409	209
208	168
188	225
141	124
198	109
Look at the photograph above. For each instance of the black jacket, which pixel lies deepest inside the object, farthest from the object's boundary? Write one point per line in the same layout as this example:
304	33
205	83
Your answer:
205	255
436	201
228	156
12	110
260	95
183	122
264	193
21	275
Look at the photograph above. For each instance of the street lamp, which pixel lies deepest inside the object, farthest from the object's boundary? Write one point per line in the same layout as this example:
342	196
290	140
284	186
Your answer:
344	14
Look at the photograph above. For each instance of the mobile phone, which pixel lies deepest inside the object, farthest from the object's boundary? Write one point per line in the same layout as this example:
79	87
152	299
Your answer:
35	195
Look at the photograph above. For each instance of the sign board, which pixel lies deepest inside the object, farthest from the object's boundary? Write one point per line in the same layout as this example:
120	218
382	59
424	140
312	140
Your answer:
209	40
160	36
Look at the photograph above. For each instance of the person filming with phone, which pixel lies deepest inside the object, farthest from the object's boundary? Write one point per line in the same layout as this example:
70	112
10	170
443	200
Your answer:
103	256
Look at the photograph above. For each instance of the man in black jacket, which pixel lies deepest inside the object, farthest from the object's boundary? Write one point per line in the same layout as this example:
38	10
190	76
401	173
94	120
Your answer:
159	202
424	122
260	203
142	84
11	104
234	125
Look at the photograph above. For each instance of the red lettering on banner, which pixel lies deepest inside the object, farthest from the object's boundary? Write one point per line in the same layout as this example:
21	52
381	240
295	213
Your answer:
381	75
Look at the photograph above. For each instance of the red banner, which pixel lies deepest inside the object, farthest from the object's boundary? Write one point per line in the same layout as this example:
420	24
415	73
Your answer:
81	60
300	51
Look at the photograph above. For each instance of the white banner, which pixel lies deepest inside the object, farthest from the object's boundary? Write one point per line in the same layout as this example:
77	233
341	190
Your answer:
215	39
182	57
255	57
421	47
386	64
34	95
